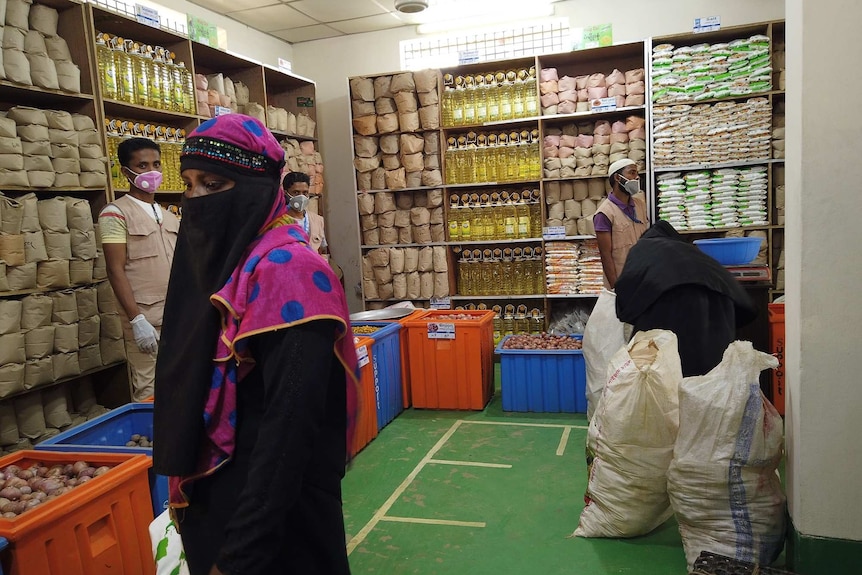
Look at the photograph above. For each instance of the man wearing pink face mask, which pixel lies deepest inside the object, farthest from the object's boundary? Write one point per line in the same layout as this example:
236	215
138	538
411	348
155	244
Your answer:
138	239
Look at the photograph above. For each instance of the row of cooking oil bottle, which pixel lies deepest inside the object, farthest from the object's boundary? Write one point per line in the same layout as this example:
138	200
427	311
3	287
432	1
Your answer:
493	157
512	321
169	139
509	271
490	97
144	75
499	215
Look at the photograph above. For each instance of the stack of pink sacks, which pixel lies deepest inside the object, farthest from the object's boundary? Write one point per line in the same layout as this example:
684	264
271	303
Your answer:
587	149
568	95
302	157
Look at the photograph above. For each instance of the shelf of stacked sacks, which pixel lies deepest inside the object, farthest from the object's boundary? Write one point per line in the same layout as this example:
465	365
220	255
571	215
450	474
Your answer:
570	95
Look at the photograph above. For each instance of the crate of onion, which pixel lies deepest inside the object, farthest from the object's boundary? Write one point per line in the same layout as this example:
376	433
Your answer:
543	373
76	513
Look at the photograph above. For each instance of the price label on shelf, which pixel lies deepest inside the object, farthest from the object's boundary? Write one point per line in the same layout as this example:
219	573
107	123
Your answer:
221	111
554	232
284	65
708	24
147	15
440	303
441	331
603	105
362	355
468	57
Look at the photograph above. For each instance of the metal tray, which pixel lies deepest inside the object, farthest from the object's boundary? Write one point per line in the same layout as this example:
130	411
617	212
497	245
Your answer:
381	314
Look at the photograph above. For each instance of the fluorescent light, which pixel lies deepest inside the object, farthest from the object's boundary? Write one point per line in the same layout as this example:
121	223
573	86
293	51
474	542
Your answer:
504	14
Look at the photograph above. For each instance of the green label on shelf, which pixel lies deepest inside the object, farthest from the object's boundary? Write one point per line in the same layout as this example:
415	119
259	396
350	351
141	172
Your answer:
592	36
203	32
304	102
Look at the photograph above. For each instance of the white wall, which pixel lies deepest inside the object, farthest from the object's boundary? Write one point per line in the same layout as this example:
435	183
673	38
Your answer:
330	62
241	39
824	269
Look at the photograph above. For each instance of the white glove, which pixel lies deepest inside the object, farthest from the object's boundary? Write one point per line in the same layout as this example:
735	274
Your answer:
146	335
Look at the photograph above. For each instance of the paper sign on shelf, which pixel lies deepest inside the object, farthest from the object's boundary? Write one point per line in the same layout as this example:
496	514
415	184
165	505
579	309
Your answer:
468	57
592	36
440	303
708	24
147	15
362	355
441	331
603	104
554	232
221	111
284	65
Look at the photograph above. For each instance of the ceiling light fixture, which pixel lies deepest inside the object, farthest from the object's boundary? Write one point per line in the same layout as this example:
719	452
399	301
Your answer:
411	6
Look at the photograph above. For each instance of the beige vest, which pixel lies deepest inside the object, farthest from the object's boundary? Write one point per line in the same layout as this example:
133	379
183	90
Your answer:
315	230
624	232
149	253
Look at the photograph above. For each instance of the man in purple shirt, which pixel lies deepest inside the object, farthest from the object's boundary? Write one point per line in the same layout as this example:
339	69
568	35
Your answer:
620	219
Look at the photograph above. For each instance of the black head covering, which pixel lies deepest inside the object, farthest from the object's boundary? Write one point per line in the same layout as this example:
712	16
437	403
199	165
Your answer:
214	234
662	260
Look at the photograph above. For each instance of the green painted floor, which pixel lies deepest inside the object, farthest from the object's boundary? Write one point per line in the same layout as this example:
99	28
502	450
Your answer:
515	516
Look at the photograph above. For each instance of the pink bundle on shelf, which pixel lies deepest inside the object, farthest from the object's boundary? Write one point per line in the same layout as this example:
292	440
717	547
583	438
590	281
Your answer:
548	74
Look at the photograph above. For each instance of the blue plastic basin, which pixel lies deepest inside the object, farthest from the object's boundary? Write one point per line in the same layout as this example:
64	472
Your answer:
731	251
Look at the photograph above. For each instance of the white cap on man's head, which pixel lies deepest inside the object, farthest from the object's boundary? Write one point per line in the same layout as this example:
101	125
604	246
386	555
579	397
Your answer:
619	165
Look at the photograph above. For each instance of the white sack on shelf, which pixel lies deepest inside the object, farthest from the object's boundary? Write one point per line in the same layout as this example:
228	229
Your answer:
403	82
395	179
16	67
43	72
385	106
429	117
34	43
425	80
391	162
408	121
406	102
44	19
381	87
428	98
361	108
362	89
378	179
21	277
386	123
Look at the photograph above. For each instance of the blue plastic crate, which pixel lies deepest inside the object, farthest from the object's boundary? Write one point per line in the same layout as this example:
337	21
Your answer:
109	433
4	543
543	381
386	356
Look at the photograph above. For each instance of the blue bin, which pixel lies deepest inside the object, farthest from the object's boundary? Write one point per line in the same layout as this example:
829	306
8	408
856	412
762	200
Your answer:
543	381
4	543
109	433
386	356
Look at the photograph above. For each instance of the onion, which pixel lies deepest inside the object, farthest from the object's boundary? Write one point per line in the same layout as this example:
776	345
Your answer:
15	482
84	479
26	490
101	471
67	469
25	474
43	471
12	493
78	466
87	472
51	486
33	503
9	515
12	470
54	471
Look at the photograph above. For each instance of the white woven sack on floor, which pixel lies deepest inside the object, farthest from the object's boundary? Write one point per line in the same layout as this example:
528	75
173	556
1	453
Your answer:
603	337
723	481
631	439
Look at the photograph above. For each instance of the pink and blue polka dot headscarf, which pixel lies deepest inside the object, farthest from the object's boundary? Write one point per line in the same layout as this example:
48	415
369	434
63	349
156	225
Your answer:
238	141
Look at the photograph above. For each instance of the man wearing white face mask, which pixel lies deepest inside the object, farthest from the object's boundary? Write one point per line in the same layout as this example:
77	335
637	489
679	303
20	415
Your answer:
296	186
620	220
138	239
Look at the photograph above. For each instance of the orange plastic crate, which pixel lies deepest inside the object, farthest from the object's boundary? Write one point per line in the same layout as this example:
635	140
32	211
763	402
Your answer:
776	337
100	528
405	355
366	425
451	373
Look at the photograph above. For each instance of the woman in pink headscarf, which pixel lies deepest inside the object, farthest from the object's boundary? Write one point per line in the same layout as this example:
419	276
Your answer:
255	383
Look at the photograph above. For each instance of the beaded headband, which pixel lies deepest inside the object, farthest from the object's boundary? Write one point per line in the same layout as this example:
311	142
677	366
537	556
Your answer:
230	154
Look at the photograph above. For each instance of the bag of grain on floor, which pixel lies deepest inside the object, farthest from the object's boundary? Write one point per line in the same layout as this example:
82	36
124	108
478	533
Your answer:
603	338
723	481
631	439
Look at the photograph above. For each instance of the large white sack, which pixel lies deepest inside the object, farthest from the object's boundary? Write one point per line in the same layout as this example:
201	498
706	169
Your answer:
603	337
723	481
631	439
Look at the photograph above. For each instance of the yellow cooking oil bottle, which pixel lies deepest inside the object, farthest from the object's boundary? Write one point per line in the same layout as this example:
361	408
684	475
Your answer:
498	324
448	118
501	157
512	171
510	218
451	159
458	102
481	157
530	93
481	98
497	215
507	96
518	94
454	218
491	157
140	73
469	101
535	213
466	219
124	70
107	68
523	211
